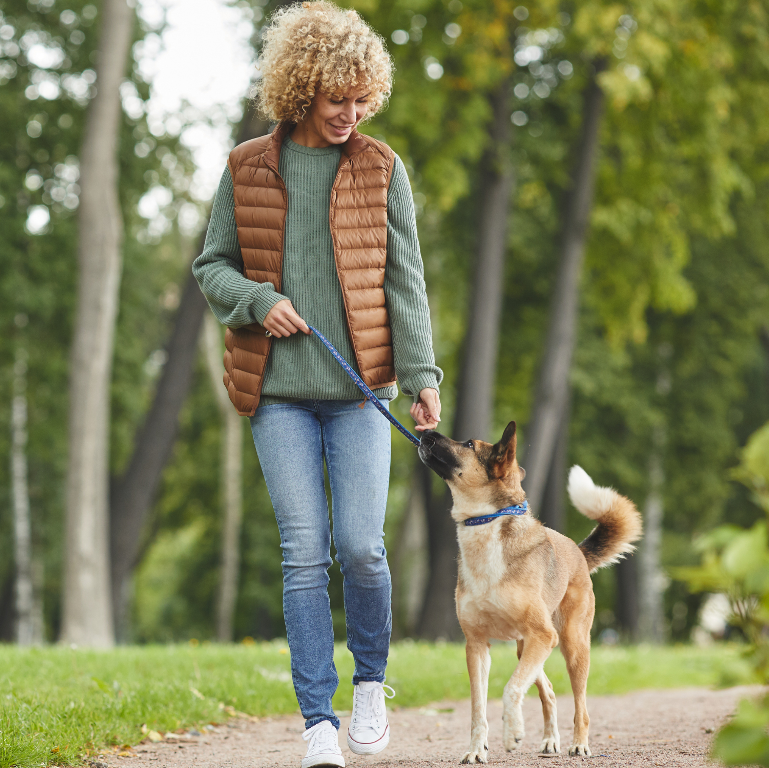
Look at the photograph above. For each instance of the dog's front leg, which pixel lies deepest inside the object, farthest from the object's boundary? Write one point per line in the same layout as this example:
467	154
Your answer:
536	649
478	665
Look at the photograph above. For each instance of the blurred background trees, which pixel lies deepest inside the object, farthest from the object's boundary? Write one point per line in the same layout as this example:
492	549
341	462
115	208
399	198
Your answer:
591	189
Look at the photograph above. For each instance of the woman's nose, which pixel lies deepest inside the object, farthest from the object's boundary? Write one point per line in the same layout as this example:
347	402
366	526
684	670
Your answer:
348	111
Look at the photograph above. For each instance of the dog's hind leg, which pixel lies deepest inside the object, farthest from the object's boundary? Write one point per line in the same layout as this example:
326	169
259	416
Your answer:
575	646
536	648
478	665
551	740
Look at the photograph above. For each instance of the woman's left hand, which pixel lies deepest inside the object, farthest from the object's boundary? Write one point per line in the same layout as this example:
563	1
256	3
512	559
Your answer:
427	411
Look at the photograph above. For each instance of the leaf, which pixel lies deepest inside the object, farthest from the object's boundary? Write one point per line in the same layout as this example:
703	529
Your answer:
745	741
102	685
746	552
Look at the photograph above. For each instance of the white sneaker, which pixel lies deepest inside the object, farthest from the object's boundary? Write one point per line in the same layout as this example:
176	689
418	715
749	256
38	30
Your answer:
369	731
323	748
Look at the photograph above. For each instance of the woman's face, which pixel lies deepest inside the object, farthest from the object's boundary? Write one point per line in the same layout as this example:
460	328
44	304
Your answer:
331	118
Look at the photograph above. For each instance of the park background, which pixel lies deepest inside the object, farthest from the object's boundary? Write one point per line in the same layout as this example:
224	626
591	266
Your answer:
590	187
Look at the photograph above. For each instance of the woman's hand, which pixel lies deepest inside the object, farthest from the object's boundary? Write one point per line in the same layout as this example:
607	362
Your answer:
427	411
283	320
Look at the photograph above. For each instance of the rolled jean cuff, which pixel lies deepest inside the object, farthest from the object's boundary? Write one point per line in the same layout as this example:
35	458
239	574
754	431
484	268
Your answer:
334	720
367	679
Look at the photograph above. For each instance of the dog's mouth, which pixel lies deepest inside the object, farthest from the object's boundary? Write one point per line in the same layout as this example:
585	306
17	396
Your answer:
443	468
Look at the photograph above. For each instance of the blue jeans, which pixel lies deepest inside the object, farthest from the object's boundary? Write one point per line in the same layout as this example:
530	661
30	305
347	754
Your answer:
291	440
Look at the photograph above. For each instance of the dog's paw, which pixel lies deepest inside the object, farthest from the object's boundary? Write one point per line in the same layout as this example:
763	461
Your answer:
479	755
512	741
512	729
550	746
580	750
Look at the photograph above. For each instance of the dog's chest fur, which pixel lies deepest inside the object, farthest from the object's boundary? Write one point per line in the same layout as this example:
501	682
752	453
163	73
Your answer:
493	587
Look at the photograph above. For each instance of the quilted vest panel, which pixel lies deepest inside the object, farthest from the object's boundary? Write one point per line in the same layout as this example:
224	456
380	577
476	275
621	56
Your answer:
358	221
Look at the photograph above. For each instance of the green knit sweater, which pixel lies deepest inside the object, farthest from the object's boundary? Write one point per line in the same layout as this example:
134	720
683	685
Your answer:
299	366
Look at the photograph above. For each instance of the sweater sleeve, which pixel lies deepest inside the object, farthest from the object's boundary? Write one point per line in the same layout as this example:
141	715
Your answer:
234	299
405	294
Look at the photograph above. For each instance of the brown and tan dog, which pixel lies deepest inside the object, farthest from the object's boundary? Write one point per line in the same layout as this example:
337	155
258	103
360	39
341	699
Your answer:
521	581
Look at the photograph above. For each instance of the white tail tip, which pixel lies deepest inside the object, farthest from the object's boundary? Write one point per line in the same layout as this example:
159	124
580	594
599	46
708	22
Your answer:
590	499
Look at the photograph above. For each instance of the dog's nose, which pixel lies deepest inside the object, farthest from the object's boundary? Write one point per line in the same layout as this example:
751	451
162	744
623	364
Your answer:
428	438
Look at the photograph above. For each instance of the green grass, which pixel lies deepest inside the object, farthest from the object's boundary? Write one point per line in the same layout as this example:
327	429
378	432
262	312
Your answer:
58	704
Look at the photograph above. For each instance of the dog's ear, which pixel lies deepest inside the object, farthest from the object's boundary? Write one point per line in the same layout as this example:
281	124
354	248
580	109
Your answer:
503	453
509	441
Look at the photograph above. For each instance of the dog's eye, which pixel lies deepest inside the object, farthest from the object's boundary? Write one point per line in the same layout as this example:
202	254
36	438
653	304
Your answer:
470	444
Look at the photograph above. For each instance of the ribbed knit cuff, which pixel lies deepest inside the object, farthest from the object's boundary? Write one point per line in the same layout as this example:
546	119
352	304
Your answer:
418	382
263	302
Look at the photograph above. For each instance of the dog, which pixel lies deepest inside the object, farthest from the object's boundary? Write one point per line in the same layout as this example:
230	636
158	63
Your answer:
519	580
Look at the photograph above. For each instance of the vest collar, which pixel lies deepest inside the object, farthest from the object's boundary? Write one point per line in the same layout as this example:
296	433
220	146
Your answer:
355	143
518	509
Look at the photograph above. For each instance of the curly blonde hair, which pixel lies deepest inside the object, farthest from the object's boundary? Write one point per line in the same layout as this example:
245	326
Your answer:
317	46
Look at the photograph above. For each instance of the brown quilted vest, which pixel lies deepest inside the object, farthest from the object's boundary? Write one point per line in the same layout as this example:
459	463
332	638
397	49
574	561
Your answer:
358	220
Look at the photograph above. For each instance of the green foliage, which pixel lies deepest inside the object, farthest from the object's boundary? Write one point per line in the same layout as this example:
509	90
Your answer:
60	705
735	561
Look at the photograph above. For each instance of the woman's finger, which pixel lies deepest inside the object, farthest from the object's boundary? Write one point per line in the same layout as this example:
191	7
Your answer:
289	326
431	402
297	320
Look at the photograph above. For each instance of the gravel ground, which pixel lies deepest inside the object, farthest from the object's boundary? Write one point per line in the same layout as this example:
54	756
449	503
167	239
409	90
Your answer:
666	728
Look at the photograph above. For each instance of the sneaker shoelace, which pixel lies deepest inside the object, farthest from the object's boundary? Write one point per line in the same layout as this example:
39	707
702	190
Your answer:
369	706
322	740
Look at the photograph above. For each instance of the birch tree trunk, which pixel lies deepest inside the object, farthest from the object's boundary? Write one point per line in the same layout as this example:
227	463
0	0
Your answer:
87	604
653	581
231	481
553	387
475	395
27	630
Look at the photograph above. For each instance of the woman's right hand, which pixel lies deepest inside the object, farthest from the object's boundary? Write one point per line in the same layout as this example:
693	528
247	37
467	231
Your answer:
283	320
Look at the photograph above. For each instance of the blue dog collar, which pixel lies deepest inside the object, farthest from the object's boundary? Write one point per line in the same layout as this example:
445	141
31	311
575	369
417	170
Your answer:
518	509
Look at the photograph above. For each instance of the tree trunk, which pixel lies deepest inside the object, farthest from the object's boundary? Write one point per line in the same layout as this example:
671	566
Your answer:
231	481
133	493
87	604
626	602
475	395
553	510
408	558
553	387
652	582
27	630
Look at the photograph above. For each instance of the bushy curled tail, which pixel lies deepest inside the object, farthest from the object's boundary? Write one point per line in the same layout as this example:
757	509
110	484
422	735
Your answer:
619	522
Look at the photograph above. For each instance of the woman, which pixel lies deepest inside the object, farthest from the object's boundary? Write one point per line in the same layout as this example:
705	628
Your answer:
315	224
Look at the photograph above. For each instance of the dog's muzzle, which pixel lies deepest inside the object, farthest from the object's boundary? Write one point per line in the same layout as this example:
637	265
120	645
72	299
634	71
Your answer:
428	439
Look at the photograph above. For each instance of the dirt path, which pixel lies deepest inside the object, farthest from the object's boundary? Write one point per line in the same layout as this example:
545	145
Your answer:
647	728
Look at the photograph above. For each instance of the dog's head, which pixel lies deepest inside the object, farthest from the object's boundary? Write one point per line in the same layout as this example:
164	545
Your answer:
474	470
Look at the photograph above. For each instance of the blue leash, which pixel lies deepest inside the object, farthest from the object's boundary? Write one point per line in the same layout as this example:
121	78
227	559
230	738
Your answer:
362	386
